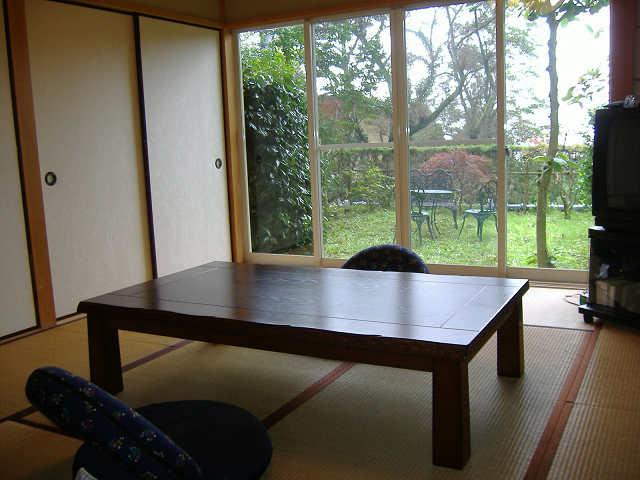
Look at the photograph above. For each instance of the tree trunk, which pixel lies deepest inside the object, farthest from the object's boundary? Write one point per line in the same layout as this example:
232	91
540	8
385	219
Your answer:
542	251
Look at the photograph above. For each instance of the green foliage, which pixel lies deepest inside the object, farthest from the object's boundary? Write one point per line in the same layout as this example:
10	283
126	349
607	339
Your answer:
352	68
277	150
571	178
351	65
565	10
341	169
347	232
589	84
357	175
374	187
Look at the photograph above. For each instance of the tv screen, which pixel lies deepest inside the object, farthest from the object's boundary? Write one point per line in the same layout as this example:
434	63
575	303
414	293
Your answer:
623	164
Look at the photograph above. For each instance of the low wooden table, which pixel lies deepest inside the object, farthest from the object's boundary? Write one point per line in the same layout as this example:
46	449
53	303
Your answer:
422	322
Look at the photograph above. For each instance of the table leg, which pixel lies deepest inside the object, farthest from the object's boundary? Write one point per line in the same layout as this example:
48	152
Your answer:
104	354
451	437
511	344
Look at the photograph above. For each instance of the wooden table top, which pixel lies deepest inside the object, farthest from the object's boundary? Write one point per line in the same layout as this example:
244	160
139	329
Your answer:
434	309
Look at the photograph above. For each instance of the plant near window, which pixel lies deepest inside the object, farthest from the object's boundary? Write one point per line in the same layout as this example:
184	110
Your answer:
374	188
468	172
276	145
555	13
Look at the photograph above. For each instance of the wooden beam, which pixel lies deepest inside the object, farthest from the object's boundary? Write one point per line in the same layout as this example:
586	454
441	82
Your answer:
231	85
25	123
303	13
124	6
621	48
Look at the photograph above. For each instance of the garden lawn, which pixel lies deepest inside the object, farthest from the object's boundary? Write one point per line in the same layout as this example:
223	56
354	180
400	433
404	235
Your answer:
349	231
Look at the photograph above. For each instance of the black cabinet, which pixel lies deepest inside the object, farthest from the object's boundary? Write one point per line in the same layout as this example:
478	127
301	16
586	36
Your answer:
614	276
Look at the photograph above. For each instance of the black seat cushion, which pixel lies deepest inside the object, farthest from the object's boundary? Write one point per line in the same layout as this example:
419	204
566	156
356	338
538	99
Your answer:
388	257
226	441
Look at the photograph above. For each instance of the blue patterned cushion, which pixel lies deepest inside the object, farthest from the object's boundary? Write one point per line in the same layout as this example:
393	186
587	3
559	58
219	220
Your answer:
391	258
88	412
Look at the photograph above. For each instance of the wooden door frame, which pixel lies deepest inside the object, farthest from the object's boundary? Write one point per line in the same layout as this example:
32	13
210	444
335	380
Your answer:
29	162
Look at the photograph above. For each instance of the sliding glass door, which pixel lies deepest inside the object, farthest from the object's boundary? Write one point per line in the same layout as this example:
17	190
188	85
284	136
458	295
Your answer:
452	113
557	75
426	127
276	144
354	129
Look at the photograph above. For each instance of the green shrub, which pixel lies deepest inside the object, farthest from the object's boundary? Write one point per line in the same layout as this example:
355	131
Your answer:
277	153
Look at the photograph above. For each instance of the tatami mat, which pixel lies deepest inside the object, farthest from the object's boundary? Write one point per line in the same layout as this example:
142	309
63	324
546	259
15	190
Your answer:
34	454
256	380
612	379
372	422
375	423
599	443
602	435
65	347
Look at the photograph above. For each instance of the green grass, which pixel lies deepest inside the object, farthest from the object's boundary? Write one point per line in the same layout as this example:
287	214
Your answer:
349	231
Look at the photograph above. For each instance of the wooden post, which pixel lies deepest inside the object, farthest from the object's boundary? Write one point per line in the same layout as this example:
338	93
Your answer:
25	124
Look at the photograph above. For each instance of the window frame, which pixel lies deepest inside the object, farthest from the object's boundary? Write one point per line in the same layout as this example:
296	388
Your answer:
401	155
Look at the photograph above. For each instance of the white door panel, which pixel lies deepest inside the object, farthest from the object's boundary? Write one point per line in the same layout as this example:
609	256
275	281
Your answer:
86	103
185	136
17	310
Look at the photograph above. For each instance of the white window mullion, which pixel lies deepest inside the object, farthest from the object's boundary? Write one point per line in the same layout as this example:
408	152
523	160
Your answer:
314	154
400	119
500	137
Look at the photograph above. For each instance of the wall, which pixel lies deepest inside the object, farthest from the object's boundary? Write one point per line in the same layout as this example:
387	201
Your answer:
246	10
206	9
211	9
200	12
16	295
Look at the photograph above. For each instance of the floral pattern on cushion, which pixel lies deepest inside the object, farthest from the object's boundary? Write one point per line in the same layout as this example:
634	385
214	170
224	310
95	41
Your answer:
89	413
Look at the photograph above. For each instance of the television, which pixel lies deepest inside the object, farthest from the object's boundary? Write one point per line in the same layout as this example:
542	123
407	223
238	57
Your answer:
616	169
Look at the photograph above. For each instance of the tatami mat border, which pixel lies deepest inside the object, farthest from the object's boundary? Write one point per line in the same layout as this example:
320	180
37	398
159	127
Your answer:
307	394
42	426
19	414
154	355
544	454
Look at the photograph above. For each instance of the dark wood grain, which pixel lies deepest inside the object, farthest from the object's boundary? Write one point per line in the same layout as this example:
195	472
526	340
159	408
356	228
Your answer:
451	443
104	353
511	344
407	320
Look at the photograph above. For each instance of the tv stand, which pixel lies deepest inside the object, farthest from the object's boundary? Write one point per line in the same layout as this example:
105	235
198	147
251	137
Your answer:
614	277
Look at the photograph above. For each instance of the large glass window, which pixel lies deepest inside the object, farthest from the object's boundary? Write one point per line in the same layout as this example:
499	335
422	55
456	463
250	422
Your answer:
277	149
353	98
557	75
458	140
452	96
